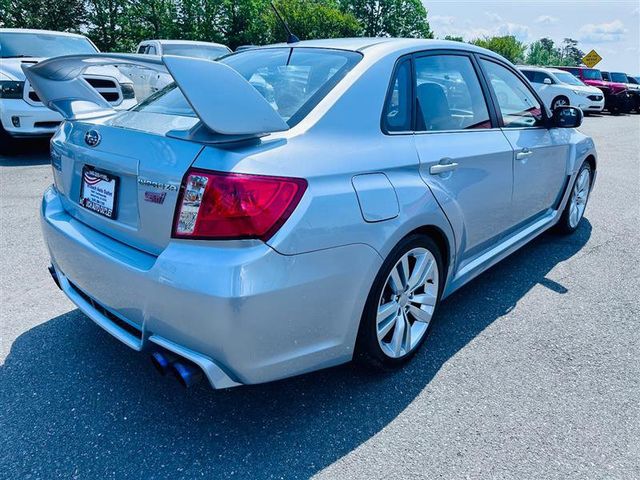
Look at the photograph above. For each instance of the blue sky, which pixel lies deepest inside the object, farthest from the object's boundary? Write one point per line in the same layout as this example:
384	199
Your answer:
611	27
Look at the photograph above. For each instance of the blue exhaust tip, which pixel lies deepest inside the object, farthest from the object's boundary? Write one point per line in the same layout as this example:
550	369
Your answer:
188	375
161	361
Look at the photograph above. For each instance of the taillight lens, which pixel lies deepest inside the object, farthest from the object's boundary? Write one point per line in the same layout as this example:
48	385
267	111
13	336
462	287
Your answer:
217	205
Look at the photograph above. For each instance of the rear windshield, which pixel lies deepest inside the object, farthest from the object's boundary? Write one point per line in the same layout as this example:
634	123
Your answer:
292	80
47	45
592	74
197	51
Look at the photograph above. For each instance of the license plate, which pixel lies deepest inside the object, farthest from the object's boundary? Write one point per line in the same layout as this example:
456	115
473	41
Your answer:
99	191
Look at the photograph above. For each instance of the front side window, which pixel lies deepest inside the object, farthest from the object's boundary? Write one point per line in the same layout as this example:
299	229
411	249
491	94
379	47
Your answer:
151	50
43	45
448	94
618	77
540	77
397	112
531	76
518	106
592	74
568	79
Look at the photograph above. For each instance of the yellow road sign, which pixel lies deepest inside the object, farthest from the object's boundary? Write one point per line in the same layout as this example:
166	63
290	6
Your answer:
591	59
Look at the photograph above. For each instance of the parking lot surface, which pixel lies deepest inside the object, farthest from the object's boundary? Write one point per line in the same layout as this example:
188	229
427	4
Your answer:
532	370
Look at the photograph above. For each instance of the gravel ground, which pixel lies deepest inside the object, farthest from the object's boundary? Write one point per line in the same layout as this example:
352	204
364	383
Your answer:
532	370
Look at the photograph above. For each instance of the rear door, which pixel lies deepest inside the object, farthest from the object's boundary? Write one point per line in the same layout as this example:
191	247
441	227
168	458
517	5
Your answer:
465	159
540	154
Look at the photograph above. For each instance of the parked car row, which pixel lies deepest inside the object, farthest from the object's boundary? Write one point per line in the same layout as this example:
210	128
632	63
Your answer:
589	89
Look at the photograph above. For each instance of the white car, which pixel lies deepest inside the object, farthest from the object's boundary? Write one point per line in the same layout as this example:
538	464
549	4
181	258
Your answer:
148	81
559	88
22	114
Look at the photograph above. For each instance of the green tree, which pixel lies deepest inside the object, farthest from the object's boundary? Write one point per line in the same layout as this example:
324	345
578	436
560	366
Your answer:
390	18
454	38
111	25
310	19
544	52
571	54
61	15
508	46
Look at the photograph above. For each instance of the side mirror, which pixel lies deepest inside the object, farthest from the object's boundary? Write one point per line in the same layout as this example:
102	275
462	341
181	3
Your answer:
567	117
547	81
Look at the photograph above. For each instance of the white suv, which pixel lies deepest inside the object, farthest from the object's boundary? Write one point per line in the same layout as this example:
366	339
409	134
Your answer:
558	88
22	114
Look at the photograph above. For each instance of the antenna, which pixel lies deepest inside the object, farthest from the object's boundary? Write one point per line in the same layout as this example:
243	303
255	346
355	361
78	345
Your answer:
291	38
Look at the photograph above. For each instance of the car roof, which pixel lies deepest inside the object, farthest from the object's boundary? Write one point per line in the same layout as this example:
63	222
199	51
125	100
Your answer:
184	42
386	45
40	32
540	69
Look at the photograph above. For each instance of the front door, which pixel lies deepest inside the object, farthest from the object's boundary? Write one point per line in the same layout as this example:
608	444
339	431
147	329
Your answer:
540	153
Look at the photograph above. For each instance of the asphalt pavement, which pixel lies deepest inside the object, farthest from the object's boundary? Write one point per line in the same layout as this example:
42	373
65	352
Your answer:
532	370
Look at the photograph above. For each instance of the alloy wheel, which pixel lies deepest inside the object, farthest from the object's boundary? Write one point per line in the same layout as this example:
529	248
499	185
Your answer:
579	197
407	302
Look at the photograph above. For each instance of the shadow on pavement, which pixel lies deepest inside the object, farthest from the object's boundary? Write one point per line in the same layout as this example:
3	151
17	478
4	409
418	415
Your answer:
76	402
26	152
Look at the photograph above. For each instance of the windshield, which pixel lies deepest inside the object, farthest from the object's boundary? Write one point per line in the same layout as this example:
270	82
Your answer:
567	78
618	77
42	45
592	74
197	51
292	80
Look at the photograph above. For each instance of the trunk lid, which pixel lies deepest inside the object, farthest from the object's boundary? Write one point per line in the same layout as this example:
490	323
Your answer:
149	167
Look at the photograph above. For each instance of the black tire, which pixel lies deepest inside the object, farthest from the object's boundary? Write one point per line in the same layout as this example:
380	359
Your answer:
558	99
564	226
368	350
7	143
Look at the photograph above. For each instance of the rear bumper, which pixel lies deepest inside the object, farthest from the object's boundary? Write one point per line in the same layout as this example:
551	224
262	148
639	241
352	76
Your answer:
246	314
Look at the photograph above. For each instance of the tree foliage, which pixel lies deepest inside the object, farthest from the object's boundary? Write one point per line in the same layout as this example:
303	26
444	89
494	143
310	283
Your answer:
118	25
508	46
390	18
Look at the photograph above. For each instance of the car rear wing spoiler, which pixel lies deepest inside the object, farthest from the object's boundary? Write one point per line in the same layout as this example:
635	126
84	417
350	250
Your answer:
226	104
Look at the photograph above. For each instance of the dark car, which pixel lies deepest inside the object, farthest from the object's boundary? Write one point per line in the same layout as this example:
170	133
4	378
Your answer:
616	94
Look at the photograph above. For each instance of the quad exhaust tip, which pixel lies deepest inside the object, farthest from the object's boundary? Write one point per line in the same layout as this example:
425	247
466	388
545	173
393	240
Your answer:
187	373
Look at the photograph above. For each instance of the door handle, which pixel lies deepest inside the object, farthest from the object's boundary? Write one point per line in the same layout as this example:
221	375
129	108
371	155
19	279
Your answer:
442	168
523	154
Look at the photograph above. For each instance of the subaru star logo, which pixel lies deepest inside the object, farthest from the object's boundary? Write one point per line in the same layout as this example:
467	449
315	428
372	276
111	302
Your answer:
92	138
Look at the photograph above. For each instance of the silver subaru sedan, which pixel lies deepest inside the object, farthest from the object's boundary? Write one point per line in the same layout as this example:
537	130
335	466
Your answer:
296	206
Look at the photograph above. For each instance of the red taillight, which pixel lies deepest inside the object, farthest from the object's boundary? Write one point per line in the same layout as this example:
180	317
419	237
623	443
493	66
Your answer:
217	205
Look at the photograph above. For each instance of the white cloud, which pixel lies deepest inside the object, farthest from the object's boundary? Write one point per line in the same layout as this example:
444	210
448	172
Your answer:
441	20
521	32
546	20
603	32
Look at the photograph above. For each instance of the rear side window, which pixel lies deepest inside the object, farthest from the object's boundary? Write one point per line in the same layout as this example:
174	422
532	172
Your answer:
518	106
448	94
529	74
397	112
540	77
